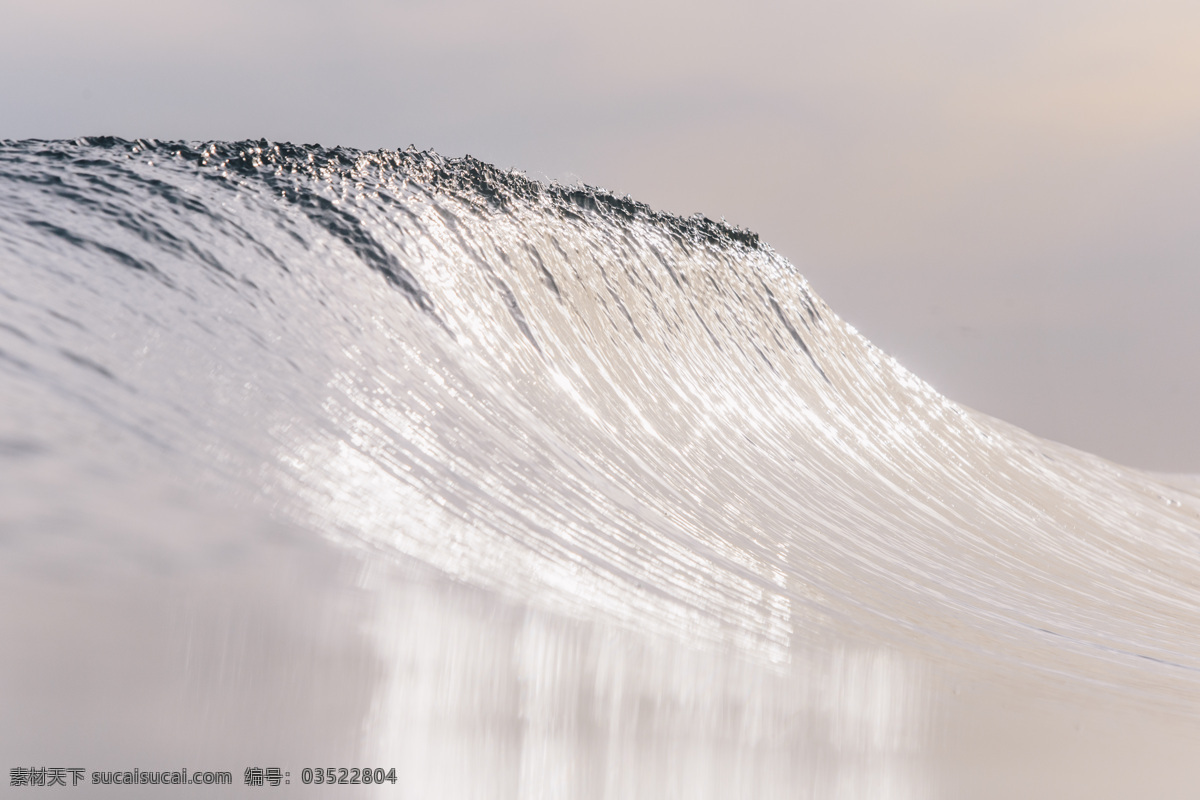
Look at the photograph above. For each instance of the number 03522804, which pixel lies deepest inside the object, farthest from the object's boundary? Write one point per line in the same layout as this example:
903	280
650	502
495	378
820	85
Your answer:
347	775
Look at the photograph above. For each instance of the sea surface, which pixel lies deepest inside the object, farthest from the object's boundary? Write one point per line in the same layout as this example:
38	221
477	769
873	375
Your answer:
317	458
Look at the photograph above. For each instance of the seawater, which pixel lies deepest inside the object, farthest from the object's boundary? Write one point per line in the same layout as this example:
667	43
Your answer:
317	458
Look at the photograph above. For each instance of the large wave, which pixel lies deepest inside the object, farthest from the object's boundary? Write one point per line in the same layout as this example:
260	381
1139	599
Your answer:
555	394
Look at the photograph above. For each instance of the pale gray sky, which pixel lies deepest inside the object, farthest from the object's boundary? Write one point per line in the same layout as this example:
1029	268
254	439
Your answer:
1002	194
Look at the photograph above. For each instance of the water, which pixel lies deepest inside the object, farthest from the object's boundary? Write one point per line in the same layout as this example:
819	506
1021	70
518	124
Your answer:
321	458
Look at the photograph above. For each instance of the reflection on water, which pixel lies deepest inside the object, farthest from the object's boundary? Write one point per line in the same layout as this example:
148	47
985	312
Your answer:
544	706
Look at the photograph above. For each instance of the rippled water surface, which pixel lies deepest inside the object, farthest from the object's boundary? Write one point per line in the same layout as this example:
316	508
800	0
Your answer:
318	457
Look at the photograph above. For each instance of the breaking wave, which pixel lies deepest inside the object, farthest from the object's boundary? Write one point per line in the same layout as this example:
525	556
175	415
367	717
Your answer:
552	393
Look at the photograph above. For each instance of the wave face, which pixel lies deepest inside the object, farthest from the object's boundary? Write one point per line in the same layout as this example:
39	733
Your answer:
555	396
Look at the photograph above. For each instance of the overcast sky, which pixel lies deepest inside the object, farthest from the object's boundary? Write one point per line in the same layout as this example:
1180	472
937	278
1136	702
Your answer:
1003	195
